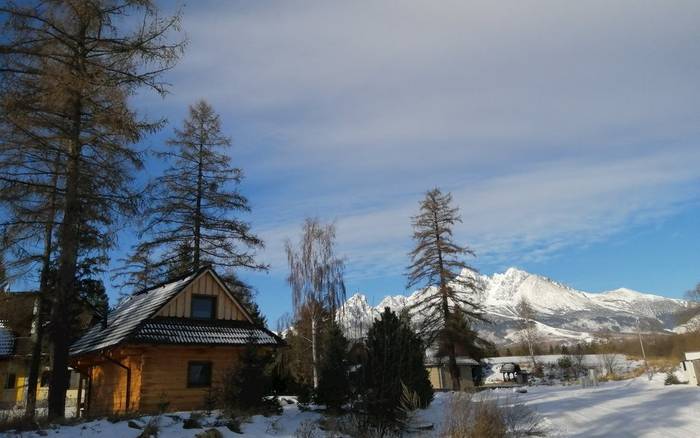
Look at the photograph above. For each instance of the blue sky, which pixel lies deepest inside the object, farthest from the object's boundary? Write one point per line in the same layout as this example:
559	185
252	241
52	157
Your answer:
566	131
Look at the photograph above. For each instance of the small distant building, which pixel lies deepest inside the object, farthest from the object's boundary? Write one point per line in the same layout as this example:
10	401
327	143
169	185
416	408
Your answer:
691	367
439	371
18	315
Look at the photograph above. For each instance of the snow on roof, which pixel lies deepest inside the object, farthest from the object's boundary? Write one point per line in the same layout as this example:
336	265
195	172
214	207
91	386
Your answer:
7	340
431	358
692	355
164	330
128	315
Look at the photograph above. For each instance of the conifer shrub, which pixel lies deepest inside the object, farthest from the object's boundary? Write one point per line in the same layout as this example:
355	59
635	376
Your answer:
246	385
395	357
333	385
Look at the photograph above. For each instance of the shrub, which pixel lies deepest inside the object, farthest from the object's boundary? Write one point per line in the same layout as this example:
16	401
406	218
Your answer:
468	417
671	379
307	429
394	357
333	385
246	384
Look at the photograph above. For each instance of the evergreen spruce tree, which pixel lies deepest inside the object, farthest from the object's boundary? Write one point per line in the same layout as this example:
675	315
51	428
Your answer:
395	356
333	383
450	285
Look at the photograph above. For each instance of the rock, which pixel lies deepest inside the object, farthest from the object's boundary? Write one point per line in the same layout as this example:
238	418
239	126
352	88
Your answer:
210	433
42	433
191	423
134	425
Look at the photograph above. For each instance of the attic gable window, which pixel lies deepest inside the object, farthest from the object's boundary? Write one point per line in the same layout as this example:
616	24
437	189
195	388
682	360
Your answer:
203	307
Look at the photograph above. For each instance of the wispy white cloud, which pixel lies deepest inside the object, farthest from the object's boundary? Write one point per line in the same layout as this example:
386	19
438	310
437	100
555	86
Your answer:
553	123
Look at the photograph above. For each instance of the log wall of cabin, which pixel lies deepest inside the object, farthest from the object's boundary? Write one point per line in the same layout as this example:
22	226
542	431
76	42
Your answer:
108	387
164	376
204	285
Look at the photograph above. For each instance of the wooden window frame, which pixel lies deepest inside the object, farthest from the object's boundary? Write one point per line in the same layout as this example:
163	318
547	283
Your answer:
11	383
214	307
200	385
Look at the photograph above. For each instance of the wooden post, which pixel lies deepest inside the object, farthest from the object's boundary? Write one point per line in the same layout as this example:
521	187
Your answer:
80	396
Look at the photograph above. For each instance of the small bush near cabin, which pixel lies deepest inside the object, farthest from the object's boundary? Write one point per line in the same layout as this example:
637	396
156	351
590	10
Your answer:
245	386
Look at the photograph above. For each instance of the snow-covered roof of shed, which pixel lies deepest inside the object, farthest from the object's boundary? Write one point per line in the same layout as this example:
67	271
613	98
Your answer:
432	358
7	341
129	314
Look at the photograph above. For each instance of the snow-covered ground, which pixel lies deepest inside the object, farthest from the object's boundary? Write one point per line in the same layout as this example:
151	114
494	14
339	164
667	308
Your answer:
631	408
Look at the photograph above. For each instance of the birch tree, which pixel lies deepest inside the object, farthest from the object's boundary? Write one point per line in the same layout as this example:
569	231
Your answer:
316	279
451	286
528	333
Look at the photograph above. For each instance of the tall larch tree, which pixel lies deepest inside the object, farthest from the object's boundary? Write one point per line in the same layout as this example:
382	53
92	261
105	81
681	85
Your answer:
451	286
68	70
193	218
316	276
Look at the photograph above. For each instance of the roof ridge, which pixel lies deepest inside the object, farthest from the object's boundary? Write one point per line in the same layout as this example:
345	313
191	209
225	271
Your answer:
172	280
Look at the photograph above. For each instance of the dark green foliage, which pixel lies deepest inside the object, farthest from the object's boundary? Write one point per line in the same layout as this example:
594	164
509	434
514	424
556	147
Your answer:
333	384
246	384
395	355
465	339
671	379
564	349
565	362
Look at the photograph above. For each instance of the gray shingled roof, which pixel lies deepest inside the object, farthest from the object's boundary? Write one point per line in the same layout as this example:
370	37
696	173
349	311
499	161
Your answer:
128	315
7	341
163	330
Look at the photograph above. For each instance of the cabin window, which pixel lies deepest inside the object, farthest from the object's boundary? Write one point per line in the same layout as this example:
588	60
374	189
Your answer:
45	376
11	381
198	374
203	307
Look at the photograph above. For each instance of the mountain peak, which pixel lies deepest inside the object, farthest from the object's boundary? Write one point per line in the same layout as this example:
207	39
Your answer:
562	312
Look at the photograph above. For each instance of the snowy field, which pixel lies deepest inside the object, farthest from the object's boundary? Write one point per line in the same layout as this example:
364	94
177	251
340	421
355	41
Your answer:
631	408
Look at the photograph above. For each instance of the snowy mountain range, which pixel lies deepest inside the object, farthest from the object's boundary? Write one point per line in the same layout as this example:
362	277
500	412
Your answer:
563	313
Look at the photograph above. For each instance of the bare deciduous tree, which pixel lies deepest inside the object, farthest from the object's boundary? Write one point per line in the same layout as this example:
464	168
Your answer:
450	285
316	278
527	327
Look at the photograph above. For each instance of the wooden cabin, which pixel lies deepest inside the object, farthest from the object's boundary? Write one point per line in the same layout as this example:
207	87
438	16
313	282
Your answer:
439	372
163	348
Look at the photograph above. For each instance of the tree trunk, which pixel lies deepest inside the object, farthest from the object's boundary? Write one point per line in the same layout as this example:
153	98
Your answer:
68	243
37	348
198	212
314	361
35	362
451	348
